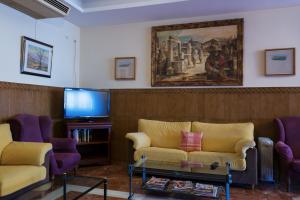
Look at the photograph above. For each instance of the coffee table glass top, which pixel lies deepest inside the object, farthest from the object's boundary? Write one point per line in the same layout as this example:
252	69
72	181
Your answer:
184	166
76	186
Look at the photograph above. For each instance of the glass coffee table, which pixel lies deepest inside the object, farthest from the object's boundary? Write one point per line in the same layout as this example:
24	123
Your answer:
204	175
65	188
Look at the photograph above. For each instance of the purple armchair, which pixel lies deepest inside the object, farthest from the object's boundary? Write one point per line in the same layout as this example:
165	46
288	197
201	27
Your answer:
30	128
288	148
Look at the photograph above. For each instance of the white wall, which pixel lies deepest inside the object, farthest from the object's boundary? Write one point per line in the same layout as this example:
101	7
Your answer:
265	29
57	32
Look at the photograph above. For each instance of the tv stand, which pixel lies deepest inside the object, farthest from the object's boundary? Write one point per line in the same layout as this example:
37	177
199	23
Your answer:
94	141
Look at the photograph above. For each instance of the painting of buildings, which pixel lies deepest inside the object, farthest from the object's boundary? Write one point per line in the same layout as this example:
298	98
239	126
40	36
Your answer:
203	53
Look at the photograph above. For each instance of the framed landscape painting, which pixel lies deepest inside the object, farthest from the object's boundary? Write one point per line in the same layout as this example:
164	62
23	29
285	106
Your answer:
125	68
280	62
198	54
36	57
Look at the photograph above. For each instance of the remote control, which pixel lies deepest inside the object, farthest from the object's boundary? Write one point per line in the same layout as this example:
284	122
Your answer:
214	165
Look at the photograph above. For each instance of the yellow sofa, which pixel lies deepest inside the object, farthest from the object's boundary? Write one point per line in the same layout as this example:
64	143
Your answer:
222	143
22	164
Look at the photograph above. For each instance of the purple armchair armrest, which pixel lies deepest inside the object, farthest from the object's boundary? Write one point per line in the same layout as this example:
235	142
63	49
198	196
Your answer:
67	145
284	151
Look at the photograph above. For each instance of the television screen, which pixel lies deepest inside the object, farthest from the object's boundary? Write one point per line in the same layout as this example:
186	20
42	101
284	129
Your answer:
86	103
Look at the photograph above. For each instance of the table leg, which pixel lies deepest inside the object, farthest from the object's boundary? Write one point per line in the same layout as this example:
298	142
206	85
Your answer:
144	177
228	181
130	171
65	186
227	191
105	189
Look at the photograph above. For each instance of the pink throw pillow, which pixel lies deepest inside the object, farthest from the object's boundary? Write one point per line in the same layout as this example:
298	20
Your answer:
191	141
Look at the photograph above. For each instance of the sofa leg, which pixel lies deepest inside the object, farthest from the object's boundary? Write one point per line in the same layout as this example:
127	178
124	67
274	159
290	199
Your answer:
75	170
253	186
288	184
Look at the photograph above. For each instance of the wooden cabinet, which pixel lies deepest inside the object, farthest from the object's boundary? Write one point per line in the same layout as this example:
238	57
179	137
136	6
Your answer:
93	141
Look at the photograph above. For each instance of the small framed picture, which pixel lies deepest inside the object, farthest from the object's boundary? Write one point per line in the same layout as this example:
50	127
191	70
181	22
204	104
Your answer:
280	62
125	68
36	57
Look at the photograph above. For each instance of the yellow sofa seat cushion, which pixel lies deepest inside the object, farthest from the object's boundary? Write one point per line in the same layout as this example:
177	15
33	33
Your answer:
236	162
5	136
161	154
25	153
163	134
223	137
140	140
14	178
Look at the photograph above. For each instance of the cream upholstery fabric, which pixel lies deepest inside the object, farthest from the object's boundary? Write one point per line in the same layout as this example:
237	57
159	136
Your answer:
161	154
14	178
25	153
236	162
5	136
223	137
140	140
163	134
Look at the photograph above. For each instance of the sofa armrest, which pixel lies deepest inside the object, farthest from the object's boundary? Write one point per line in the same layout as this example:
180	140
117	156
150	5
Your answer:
249	176
25	153
242	146
284	151
139	139
64	145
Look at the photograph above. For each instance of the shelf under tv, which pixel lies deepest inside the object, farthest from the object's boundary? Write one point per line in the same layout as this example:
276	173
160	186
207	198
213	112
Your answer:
97	150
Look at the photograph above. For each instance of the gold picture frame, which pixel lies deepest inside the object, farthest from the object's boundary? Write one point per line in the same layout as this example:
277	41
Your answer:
198	54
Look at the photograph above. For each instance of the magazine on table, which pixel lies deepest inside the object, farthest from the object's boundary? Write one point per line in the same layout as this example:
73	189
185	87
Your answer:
206	190
182	186
157	183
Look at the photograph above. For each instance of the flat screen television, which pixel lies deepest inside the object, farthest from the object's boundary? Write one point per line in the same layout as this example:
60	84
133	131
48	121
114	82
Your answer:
81	103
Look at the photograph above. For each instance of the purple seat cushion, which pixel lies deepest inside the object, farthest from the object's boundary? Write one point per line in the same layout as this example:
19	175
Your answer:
292	134
67	161
295	165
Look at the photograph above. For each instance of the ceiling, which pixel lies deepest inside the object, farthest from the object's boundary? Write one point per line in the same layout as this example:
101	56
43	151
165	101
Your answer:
109	12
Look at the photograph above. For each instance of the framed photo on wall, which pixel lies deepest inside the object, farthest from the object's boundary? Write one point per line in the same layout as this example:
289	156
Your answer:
280	62
198	54
125	68
36	57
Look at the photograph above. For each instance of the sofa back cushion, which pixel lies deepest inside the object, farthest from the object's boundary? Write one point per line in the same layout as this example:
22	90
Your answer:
223	137
163	134
5	136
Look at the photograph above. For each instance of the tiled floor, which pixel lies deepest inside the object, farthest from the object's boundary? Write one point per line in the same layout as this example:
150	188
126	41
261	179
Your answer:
118	180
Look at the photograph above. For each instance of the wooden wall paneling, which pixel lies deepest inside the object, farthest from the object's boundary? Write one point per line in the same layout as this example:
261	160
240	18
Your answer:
32	99
214	107
193	106
294	103
130	102
238	108
259	105
119	109
4	104
141	101
151	105
57	102
218	105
